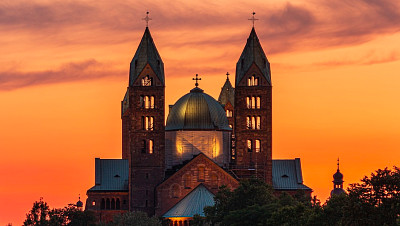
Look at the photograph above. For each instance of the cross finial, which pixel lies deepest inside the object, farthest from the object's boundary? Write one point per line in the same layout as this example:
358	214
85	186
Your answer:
147	19
253	18
197	79
227	75
338	163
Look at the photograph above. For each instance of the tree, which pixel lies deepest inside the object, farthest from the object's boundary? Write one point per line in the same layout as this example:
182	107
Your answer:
41	215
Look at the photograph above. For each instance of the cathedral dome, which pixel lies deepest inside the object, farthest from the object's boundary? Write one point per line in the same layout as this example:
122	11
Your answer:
197	111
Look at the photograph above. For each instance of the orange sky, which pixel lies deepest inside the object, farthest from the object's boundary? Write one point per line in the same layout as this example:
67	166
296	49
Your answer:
64	70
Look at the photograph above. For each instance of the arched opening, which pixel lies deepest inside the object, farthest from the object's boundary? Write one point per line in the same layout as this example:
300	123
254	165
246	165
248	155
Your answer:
108	204
117	204
113	204
103	204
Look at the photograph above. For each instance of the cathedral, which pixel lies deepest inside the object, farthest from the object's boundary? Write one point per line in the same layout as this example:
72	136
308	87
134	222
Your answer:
173	168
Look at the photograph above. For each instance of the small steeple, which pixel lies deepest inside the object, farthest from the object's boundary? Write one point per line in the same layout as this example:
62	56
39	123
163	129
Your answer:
227	93
337	182
252	53
146	53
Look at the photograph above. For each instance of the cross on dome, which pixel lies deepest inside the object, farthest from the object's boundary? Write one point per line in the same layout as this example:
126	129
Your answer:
197	79
147	19
253	18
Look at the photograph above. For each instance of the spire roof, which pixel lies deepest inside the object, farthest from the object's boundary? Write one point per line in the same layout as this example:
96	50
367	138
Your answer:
227	92
252	53
146	53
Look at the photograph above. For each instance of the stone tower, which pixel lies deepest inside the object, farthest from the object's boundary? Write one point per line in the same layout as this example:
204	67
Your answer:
253	113
143	128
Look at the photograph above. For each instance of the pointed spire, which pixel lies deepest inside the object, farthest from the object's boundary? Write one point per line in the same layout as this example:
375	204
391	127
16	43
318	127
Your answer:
227	93
146	53
252	53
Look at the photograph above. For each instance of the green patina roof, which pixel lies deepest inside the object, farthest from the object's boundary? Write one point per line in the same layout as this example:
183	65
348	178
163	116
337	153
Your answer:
192	204
252	53
146	53
286	175
111	175
197	111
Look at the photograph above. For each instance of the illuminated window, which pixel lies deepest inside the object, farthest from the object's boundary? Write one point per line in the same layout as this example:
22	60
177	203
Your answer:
258	145
253	122
252	81
253	102
248	102
249	146
229	113
152	102
258	102
147	81
151	146
258	122
248	122
148	123
255	81
201	173
93	203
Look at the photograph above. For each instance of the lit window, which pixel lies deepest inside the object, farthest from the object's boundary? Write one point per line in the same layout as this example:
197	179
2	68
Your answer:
151	146
229	113
147	81
258	122
146	102
249	148
248	122
258	102
253	102
252	81
152	102
93	203
148	123
248	102
253	122
258	145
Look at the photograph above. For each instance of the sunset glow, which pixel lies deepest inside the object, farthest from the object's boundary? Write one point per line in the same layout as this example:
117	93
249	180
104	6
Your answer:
65	65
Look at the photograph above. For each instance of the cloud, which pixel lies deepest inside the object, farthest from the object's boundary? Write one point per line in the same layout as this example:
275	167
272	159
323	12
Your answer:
76	71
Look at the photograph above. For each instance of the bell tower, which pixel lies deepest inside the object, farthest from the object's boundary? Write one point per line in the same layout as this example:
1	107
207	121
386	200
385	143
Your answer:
253	112
143	125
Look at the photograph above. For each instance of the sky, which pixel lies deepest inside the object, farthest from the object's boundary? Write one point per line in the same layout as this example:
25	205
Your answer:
65	64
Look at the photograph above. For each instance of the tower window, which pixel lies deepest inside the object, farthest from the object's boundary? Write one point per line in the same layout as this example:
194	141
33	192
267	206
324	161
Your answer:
258	122
258	145
143	146
252	81
258	102
248	122
249	146
148	122
151	146
248	102
253	122
229	113
253	102
147	81
147	102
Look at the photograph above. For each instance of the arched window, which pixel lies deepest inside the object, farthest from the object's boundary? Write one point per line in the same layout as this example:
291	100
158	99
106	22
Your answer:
152	102
201	173
249	82
108	204
151	146
113	204
248	102
141	101
255	81
253	102
258	145
186	181
147	81
148	122
175	191
229	113
103	204
214	181
258	102
143	146
249	146
253	122
258	122
117	204
248	122
146	102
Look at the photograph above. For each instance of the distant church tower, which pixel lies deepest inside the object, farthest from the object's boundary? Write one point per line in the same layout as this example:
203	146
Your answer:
253	113
143	128
337	182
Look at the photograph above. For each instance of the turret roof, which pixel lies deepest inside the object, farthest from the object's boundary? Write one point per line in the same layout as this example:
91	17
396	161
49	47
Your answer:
252	53
146	53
